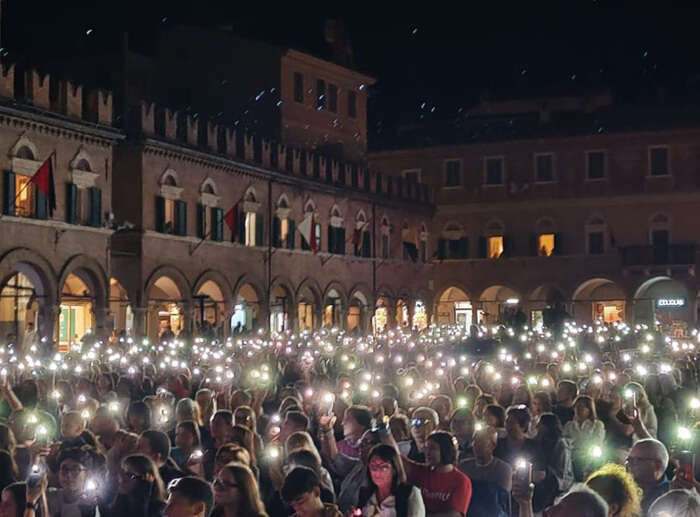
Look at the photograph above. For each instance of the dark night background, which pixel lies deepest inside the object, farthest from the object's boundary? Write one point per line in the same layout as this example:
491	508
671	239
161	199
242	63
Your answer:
430	67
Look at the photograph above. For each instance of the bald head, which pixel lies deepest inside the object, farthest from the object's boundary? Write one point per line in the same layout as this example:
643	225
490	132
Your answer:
580	501
647	461
485	441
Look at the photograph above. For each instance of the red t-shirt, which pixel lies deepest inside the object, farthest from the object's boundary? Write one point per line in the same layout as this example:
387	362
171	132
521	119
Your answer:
442	491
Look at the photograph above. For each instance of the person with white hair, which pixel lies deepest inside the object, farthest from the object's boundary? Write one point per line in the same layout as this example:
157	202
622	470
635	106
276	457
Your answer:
676	503
647	462
579	501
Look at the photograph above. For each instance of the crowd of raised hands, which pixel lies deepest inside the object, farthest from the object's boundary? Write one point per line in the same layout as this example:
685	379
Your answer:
592	420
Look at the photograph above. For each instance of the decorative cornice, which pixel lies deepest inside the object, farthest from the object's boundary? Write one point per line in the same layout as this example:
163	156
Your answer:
27	117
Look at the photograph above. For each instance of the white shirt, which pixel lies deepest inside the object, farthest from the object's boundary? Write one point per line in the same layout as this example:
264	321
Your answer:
387	508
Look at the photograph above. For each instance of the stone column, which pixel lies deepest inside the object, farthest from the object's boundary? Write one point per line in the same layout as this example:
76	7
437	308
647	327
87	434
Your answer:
48	316
139	327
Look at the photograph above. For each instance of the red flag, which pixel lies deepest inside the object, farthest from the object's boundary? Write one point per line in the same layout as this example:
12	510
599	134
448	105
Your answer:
43	179
230	218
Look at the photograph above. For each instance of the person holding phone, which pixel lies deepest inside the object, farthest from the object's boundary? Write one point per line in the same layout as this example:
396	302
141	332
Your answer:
80	474
141	492
187	441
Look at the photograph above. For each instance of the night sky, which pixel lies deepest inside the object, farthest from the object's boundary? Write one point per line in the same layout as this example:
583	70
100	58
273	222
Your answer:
430	66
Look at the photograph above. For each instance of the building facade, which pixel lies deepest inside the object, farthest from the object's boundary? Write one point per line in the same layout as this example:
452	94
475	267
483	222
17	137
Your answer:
166	220
157	228
596	223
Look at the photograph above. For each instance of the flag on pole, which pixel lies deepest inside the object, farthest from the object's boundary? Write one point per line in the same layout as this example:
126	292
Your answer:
308	232
43	179
409	237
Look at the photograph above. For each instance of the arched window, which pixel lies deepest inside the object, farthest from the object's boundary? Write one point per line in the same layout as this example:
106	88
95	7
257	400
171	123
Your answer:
22	198
310	211
453	243
210	218
25	153
409	242
362	236
254	222
596	235
283	225
171	211
384	231
336	232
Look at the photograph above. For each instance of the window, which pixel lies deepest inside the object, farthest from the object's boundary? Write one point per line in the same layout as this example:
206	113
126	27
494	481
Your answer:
25	192
495	246
333	98
494	171
411	176
544	168
320	94
595	165
284	230
453	173
658	161
298	87
546	244
385	246
169	216
352	104
596	243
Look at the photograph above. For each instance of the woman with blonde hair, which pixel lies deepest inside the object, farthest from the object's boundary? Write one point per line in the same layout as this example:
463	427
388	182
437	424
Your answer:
236	493
617	486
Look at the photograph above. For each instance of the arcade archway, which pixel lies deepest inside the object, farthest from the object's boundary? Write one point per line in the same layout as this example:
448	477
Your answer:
76	317
246	312
454	306
120	308
664	300
166	310
599	299
500	304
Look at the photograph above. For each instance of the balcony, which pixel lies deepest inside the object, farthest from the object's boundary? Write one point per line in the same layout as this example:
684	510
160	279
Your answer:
672	255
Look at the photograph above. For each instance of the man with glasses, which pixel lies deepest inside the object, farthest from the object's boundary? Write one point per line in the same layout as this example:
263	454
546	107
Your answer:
647	462
189	497
423	422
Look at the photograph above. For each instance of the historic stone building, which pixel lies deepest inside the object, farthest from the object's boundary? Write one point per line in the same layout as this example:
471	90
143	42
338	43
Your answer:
564	201
170	219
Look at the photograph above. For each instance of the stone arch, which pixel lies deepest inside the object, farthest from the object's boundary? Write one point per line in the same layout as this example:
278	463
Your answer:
24	142
309	302
453	304
283	201
282	308
208	187
334	307
80	160
666	300
211	275
169	173
174	274
499	303
92	274
43	280
358	308
250	195
599	298
211	311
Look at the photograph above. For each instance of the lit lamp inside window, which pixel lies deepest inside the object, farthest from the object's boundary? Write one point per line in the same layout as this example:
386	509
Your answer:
284	230
495	248
24	195
250	229
545	244
169	222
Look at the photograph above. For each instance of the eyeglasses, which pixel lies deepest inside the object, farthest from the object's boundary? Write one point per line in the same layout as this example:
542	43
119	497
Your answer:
73	471
418	422
381	467
224	484
125	474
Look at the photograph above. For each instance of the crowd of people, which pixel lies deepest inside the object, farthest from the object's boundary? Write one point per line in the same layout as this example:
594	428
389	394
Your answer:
591	421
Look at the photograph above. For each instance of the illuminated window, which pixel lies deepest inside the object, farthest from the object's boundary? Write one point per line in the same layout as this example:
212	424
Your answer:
169	221
250	228
545	244
495	246
24	204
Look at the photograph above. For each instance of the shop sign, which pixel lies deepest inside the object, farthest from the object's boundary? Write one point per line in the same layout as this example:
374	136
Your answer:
666	303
